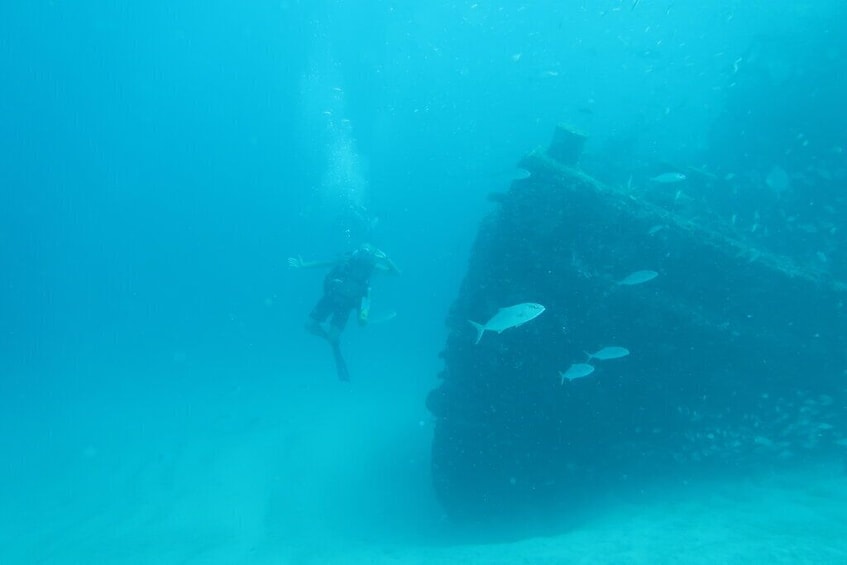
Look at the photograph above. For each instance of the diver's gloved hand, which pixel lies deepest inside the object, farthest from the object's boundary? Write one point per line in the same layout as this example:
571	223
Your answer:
295	262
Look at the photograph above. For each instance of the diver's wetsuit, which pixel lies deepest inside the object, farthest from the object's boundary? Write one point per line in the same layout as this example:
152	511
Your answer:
345	286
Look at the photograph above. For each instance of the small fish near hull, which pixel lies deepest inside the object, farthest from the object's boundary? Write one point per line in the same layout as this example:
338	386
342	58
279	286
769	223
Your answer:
778	180
607	353
638	277
520	174
508	317
576	371
668	178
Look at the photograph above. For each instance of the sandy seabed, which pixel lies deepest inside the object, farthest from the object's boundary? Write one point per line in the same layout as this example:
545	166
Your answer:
335	474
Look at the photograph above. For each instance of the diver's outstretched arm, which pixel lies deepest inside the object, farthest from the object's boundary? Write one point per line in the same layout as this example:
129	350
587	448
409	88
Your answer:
386	265
299	263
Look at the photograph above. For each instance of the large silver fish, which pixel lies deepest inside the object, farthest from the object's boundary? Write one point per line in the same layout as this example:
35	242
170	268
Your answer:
509	317
609	352
576	371
668	178
638	277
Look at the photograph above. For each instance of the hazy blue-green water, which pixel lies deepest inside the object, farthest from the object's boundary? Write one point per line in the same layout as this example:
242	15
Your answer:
159	399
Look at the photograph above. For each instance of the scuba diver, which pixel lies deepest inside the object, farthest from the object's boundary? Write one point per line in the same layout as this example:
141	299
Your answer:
346	288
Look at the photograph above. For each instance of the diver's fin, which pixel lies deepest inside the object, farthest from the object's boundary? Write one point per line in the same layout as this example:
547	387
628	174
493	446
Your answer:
340	364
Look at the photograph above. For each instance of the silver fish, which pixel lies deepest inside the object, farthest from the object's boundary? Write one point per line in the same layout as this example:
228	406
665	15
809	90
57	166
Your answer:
638	277
576	371
509	317
668	178
520	174
609	352
507	176
778	180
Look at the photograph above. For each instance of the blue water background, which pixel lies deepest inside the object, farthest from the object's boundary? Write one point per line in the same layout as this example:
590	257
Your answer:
160	161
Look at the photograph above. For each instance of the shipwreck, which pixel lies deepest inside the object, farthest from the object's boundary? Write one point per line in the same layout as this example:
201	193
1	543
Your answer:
737	353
